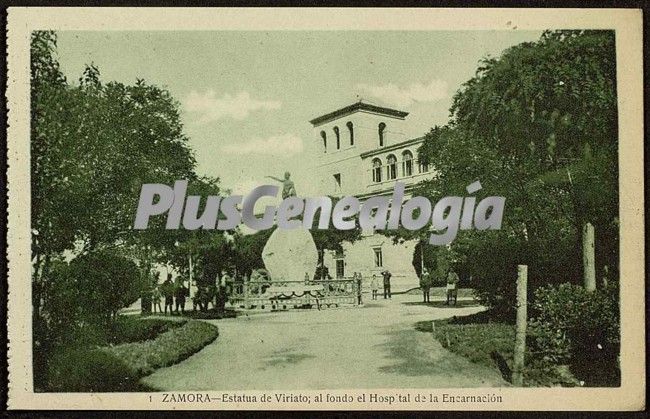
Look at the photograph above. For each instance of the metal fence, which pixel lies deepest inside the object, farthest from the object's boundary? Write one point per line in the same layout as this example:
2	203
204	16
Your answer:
284	295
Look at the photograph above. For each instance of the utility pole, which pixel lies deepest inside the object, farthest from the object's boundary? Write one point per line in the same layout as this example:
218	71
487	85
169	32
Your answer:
189	286
520	333
421	257
589	257
588	250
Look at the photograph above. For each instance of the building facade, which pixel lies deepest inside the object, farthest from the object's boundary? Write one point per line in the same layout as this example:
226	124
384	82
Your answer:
362	152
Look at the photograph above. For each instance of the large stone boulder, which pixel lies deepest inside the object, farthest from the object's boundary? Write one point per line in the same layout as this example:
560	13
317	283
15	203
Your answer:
289	254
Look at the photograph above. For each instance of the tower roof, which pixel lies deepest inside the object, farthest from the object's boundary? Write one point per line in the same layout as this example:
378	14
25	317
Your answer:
359	106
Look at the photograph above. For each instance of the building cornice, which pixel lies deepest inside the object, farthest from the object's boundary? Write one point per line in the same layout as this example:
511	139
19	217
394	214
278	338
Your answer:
397	146
408	188
359	106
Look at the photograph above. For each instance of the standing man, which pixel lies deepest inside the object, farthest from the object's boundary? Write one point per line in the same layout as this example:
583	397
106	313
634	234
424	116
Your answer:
358	279
168	292
226	282
222	294
156	295
452	282
386	274
374	286
425	284
181	293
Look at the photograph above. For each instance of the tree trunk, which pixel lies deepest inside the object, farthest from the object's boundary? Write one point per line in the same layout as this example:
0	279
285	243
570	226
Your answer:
322	263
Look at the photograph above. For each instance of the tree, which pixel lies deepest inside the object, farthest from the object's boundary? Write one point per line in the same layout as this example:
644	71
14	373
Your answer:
52	104
93	145
521	125
333	239
248	250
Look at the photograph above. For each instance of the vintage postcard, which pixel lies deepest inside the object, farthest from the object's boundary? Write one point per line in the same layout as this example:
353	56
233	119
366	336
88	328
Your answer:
359	209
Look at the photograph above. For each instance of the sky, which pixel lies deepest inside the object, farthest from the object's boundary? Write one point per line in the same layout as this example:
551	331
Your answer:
246	97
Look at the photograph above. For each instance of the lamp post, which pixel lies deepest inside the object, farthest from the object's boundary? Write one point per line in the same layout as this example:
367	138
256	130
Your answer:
191	268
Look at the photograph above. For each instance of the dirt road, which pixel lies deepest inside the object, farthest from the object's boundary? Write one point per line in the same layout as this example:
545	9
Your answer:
374	346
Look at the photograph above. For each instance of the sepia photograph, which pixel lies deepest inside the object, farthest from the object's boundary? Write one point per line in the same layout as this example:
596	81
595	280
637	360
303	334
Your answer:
234	218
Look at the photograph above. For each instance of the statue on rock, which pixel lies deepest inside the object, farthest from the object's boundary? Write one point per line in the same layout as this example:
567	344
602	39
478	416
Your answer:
288	187
289	254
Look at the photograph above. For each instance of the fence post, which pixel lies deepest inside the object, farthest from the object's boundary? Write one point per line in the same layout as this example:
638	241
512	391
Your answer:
520	335
589	257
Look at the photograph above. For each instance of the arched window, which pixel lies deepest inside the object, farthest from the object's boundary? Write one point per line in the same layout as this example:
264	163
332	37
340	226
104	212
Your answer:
382	127
324	137
423	166
338	138
391	168
376	170
407	163
351	129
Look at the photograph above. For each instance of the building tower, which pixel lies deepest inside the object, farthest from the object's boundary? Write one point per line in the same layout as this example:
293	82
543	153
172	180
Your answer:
362	152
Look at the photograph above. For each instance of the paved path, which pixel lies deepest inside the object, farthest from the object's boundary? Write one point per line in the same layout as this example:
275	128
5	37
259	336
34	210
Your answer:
374	346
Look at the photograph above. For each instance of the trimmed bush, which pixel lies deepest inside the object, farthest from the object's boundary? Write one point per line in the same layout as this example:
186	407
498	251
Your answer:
129	329
118	368
211	314
167	349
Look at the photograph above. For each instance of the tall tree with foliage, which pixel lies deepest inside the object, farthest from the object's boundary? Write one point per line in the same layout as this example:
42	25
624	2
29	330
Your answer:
93	145
537	125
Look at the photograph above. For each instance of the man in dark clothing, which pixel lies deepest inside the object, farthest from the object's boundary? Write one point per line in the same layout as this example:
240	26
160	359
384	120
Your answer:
387	276
181	293
358	279
425	285
168	292
452	287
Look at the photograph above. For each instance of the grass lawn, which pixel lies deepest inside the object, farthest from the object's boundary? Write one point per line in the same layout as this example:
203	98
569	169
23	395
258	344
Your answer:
492	343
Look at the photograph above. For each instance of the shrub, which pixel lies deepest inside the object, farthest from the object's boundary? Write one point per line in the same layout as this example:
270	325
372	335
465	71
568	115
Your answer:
489	256
211	314
105	282
83	295
572	326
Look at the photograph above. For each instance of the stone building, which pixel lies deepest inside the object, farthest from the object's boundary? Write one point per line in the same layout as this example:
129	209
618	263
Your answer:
362	152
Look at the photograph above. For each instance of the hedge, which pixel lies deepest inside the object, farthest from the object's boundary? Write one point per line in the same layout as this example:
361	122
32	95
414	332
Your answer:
120	367
167	349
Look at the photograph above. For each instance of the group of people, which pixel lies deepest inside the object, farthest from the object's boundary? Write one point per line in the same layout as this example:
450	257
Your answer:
175	294
169	292
426	282
374	285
